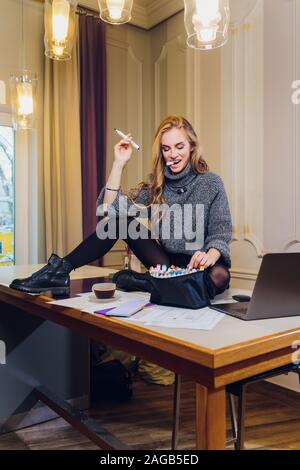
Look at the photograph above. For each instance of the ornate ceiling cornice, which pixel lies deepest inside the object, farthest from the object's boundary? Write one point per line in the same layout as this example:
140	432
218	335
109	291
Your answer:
146	14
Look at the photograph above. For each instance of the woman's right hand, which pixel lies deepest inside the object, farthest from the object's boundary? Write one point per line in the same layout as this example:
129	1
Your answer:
123	150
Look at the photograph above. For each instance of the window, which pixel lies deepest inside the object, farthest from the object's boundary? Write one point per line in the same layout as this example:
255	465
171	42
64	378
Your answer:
7	209
18	191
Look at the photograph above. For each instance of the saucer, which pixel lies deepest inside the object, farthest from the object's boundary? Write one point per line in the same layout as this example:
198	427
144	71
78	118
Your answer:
116	297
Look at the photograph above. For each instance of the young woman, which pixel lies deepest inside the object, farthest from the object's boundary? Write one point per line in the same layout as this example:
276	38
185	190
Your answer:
180	176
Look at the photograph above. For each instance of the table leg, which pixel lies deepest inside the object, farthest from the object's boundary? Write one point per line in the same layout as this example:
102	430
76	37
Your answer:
210	418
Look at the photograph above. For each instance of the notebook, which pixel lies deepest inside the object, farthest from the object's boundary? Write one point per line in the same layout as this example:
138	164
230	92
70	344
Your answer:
126	309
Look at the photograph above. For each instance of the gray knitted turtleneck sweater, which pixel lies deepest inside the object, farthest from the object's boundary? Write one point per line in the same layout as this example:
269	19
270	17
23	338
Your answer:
206	190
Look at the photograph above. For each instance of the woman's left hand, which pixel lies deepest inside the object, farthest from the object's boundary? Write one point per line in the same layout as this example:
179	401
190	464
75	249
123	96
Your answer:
203	259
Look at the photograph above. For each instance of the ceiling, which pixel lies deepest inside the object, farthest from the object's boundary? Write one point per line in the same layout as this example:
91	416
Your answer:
146	13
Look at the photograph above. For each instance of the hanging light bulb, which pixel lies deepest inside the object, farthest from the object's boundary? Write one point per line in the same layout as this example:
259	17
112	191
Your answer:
59	28
115	11
206	20
60	20
206	23
23	99
23	91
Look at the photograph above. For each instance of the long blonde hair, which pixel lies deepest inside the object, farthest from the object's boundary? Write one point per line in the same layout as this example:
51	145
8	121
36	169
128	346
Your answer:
157	177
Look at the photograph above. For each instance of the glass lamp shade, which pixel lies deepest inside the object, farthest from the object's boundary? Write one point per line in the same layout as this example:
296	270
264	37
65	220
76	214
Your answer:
59	28
206	23
23	99
115	11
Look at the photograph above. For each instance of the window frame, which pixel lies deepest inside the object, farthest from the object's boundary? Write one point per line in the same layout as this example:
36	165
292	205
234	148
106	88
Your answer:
5	121
25	241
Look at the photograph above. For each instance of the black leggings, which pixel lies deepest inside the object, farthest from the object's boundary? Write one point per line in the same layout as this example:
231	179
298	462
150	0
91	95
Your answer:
147	250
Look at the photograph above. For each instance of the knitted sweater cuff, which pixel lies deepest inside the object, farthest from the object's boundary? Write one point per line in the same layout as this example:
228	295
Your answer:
223	248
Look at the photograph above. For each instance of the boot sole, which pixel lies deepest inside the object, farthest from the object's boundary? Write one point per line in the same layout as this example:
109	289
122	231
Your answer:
139	277
36	290
133	284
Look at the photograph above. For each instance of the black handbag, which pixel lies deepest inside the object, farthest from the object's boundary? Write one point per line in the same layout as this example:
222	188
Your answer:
189	291
110	380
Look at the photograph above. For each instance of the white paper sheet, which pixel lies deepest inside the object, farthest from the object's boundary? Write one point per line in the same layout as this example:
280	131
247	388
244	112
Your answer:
154	315
89	303
170	317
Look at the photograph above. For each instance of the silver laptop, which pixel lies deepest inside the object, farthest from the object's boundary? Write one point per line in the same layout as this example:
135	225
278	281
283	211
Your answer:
276	291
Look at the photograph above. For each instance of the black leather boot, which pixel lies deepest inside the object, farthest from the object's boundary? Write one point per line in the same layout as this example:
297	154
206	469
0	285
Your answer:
54	277
129	280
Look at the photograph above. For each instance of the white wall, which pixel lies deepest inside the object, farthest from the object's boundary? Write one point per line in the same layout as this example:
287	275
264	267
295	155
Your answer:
260	138
152	74
282	126
129	98
282	130
186	82
242	152
260	134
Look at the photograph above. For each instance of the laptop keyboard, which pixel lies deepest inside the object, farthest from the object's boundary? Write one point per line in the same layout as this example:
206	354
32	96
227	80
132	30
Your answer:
238	309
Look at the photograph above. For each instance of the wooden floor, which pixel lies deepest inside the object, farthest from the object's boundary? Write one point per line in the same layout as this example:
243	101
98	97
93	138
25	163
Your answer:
272	421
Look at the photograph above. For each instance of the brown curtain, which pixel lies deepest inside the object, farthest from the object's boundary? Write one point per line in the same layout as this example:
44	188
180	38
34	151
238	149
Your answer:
62	160
92	52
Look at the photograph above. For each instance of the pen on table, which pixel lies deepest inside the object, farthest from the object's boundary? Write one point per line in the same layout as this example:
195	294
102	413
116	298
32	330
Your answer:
124	136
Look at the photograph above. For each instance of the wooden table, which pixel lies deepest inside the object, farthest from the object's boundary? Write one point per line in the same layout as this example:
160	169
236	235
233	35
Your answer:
233	350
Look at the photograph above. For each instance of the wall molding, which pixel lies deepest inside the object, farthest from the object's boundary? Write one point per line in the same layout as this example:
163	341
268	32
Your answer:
283	231
193	91
288	245
138	92
296	118
115	43
253	129
178	40
134	117
242	135
157	84
297	111
244	274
